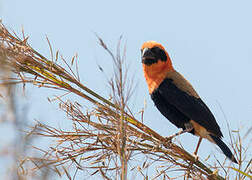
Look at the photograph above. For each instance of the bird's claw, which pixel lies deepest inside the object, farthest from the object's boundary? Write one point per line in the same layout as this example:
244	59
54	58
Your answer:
196	157
169	139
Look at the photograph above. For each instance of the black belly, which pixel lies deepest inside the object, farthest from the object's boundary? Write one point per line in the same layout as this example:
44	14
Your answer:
169	111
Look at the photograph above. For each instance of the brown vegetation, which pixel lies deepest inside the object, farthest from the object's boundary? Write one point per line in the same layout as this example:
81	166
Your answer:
105	138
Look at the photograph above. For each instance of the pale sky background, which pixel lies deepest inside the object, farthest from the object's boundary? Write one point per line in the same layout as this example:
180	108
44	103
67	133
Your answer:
209	42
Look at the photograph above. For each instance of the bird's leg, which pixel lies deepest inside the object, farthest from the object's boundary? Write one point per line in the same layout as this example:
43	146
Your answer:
188	128
197	148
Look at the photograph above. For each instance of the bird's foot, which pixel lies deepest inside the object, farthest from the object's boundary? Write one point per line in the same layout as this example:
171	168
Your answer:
169	139
188	128
196	157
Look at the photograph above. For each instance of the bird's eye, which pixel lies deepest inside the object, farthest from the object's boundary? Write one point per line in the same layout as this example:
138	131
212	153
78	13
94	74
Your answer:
155	50
160	54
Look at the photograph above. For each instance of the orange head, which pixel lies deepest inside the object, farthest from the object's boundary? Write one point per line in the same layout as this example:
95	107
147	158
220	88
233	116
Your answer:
156	63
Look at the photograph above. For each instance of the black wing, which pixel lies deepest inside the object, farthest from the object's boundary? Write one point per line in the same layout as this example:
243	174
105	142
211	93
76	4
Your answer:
192	107
169	111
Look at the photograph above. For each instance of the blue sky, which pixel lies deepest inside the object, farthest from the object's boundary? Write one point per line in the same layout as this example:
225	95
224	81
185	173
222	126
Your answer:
209	43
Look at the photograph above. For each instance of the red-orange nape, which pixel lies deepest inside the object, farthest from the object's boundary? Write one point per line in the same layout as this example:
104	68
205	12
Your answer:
176	98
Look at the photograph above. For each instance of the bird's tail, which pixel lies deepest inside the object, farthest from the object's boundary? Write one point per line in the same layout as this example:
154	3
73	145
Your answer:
224	148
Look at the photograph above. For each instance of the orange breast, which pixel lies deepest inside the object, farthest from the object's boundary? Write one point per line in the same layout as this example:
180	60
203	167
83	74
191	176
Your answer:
155	74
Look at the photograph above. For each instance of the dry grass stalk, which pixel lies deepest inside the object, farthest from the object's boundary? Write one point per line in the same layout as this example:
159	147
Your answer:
12	119
105	138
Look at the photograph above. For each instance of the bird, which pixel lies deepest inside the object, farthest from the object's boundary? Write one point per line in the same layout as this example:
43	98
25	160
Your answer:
177	100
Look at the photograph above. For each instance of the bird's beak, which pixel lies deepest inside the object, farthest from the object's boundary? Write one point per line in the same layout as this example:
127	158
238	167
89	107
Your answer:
147	55
144	51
